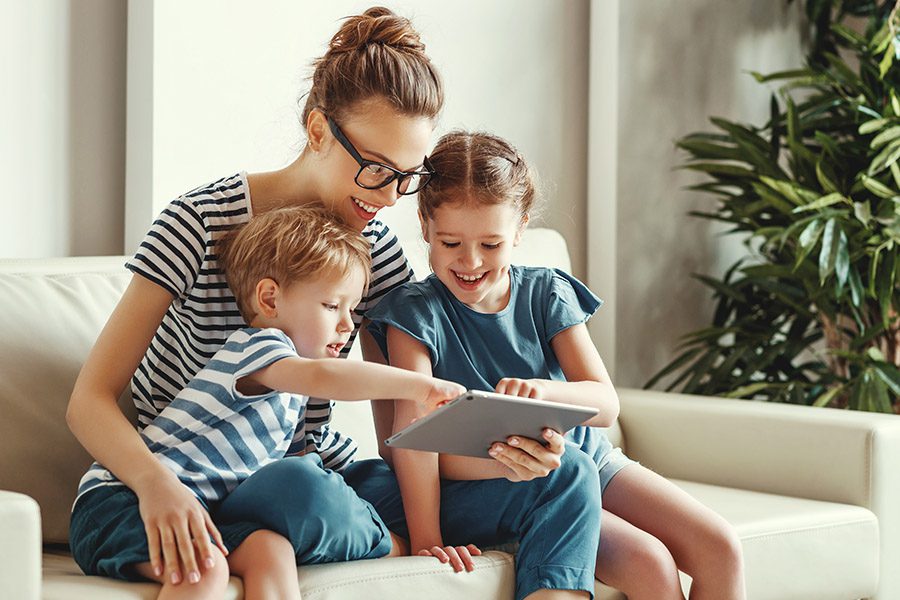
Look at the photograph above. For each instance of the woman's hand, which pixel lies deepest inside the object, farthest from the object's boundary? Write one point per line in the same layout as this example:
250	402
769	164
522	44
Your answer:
459	557
527	459
178	530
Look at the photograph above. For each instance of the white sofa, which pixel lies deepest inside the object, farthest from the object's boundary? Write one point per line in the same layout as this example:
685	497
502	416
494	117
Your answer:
813	493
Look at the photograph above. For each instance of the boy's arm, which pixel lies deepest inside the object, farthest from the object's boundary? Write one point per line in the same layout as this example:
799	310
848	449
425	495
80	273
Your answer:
587	381
417	472
382	412
350	380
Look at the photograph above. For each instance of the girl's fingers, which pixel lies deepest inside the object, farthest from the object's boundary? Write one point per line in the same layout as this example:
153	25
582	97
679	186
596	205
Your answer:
474	550
438	552
466	558
455	561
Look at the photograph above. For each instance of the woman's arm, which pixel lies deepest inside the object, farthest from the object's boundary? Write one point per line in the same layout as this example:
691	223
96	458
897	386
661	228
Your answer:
172	515
587	381
382	412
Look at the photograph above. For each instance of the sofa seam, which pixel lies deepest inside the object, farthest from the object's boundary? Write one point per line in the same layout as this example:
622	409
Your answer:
813	528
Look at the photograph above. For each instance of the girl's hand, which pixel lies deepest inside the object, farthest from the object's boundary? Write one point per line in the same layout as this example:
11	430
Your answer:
526	388
527	459
178	530
459	557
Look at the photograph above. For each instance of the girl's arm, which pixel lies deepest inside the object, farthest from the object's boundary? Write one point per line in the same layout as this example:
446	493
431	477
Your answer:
171	513
587	381
352	380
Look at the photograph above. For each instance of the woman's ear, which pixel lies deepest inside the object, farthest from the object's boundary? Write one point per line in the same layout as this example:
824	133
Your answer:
316	126
522	226
266	298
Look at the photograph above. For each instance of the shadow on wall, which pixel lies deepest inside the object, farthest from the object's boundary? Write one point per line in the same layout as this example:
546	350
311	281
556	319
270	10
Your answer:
681	61
96	120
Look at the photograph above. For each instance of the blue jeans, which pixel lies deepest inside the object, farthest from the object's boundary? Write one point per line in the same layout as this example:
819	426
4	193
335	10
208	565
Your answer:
555	519
312	507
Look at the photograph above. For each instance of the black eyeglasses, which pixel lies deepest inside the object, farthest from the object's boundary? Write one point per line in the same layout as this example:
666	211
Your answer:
374	175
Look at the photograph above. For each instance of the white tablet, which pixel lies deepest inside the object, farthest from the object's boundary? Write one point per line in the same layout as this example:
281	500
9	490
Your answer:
470	423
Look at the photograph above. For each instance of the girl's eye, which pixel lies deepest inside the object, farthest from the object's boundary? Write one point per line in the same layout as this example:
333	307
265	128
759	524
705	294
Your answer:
450	244
492	246
330	306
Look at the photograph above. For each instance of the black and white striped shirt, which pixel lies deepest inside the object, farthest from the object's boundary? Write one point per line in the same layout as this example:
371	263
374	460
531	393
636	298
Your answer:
179	254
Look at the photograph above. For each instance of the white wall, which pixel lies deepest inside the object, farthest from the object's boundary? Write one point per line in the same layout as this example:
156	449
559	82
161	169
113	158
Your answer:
226	76
62	116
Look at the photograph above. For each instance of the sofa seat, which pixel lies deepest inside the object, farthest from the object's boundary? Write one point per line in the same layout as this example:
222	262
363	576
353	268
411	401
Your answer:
807	546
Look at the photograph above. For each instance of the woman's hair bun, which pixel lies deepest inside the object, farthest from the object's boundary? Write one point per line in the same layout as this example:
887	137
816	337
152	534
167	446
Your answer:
378	25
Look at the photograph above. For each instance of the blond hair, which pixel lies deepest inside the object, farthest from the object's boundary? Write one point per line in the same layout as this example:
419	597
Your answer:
478	167
289	245
377	54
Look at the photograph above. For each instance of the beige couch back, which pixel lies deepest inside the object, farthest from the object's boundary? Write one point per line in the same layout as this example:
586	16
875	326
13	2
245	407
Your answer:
51	311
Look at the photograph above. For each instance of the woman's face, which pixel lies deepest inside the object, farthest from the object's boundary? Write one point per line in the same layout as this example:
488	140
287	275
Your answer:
379	134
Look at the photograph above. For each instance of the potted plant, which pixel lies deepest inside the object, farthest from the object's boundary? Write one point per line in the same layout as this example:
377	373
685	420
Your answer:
810	316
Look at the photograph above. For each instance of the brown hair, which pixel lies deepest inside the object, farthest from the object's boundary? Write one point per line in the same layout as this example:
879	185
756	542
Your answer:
375	54
288	245
478	167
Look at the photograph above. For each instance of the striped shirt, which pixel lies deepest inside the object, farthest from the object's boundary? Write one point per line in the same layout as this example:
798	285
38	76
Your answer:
179	254
212	436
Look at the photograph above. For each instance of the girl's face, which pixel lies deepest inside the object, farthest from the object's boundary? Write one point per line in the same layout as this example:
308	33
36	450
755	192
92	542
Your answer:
378	133
471	250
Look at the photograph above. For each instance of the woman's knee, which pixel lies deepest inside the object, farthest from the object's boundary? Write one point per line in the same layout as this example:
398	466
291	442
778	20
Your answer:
262	549
717	549
652	571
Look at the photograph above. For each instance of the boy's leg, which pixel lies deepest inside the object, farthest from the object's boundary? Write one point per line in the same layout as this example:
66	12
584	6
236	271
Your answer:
703	544
555	519
312	507
212	584
265	561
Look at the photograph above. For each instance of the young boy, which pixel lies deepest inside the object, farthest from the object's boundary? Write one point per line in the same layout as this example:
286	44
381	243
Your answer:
297	275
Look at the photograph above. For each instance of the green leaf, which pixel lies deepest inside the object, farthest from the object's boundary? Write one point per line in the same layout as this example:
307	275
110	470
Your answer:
886	61
873	126
828	254
789	74
886	291
827	184
856	287
895	171
826	398
842	261
822	202
875	354
895	104
876	187
673	366
747	390
863	212
890	375
890	134
718	169
885	158
808	238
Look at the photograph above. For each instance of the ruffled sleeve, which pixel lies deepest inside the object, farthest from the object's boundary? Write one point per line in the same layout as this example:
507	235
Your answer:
410	309
569	303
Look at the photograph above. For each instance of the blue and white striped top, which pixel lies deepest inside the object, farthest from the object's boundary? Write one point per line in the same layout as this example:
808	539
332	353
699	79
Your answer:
179	254
212	436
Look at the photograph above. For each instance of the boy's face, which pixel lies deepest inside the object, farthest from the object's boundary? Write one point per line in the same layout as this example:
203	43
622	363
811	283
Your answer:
316	313
471	250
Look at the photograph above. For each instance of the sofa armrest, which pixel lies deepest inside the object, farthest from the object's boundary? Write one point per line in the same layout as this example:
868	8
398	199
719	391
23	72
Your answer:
817	453
20	547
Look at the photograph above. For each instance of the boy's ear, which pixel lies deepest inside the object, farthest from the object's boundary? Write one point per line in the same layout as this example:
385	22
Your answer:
266	296
316	126
522	226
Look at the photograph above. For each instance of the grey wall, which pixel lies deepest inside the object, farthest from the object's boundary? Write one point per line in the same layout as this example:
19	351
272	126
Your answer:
680	61
62	117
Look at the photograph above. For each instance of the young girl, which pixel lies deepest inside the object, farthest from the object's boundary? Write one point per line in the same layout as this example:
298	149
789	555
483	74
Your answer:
489	325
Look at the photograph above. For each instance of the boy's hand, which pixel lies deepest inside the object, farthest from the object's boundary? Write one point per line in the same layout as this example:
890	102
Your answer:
441	391
178	530
459	557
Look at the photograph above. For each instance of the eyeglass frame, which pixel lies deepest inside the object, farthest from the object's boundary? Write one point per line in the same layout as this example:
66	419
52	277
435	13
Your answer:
396	174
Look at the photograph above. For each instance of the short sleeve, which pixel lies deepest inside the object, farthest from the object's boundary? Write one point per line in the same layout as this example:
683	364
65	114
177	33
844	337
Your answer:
569	303
390	269
411	311
172	251
258	351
